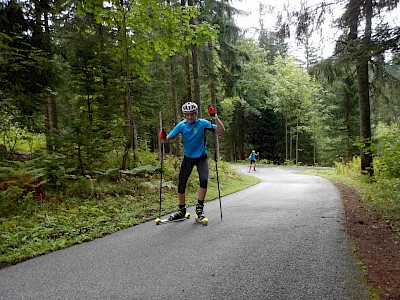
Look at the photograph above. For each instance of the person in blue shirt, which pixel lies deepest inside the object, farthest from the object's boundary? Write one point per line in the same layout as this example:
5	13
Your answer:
252	157
193	130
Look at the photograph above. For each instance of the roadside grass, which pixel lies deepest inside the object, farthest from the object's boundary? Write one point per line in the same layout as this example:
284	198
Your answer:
108	207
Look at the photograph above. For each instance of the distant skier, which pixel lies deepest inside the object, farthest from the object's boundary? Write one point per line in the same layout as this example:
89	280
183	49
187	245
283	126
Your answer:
252	158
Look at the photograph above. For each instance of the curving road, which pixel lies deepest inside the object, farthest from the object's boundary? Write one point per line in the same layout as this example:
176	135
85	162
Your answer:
280	239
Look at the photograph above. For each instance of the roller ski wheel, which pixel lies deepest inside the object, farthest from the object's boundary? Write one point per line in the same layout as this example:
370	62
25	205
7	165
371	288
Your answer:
169	220
201	219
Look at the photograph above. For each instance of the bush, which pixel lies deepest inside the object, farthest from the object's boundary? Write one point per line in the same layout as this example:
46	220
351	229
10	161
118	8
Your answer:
385	195
79	186
353	167
388	151
14	200
25	175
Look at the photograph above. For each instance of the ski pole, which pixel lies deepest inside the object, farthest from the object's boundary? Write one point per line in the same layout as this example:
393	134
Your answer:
211	112
162	135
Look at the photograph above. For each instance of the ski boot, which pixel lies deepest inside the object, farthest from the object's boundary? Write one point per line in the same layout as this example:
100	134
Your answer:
176	217
180	214
200	215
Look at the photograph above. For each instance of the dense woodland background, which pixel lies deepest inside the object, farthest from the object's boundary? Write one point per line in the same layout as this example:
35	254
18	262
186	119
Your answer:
86	85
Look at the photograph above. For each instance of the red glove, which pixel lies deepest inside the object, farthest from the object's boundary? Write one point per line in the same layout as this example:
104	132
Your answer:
162	134
211	111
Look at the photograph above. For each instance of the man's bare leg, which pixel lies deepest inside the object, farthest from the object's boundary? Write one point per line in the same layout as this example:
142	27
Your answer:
202	194
182	198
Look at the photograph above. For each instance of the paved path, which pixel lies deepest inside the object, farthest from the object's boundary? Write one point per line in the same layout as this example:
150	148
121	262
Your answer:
280	239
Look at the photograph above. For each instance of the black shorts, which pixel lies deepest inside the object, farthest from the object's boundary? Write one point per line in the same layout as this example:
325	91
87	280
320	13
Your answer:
252	161
187	165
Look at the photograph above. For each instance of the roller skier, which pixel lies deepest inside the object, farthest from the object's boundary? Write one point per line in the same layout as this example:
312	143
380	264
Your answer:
193	130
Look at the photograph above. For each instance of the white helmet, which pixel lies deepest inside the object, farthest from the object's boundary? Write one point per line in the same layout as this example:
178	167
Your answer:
189	107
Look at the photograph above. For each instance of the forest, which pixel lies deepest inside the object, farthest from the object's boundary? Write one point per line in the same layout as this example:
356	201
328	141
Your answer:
85	87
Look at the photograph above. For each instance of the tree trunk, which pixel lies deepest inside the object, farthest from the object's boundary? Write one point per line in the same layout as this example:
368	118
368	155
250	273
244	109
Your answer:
348	128
128	126
188	79
196	78
186	62
286	137
361	61
365	117
51	121
129	132
314	145
175	104
104	101
364	95
297	137
196	72
290	139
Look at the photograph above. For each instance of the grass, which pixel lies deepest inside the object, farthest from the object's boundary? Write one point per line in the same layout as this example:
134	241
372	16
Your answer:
111	206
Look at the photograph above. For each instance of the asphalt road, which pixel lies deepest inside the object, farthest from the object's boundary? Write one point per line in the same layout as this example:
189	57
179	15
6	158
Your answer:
280	239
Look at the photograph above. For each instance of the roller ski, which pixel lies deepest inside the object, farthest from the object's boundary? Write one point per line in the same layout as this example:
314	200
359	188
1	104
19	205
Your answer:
180	215
200	215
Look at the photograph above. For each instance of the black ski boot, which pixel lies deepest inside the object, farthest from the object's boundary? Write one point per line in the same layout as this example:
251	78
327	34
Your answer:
200	214
200	211
180	214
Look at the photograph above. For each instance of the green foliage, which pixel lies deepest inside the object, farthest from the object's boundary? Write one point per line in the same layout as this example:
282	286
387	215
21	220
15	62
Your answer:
56	167
381	193
352	168
16	138
10	199
155	28
387	163
171	166
25	68
25	175
145	157
140	170
296	95
20	184
77	186
337	120
384	194
265	162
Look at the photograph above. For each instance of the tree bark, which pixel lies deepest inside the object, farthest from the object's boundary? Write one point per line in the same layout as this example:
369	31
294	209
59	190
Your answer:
186	63
175	104
364	94
196	77
129	132
51	121
361	60
195	66
297	136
